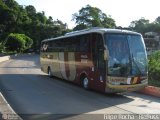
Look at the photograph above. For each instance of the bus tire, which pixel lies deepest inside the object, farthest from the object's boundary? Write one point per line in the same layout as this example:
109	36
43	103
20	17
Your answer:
50	72
85	83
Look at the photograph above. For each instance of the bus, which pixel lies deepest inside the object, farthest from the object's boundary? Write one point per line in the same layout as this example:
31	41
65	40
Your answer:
105	60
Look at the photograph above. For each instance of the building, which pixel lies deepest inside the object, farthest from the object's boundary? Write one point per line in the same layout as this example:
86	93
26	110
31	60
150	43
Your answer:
152	42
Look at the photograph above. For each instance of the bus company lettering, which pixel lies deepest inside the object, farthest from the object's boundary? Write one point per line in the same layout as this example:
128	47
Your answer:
119	80
84	56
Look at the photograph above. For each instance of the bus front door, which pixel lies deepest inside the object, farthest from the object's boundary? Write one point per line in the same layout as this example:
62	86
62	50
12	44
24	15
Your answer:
99	63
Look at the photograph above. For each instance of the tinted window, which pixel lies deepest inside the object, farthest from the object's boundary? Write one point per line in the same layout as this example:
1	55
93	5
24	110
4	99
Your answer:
70	44
127	55
44	47
84	43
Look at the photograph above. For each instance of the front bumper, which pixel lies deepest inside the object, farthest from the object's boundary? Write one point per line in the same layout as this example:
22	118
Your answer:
124	88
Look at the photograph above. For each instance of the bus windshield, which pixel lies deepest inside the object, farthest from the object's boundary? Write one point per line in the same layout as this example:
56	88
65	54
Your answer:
127	55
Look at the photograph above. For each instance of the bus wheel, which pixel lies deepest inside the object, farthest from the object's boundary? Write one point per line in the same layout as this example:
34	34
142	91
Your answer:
50	72
85	83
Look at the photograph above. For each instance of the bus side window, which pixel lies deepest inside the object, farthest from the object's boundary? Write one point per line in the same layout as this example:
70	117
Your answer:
77	43
50	47
54	44
84	43
59	46
70	44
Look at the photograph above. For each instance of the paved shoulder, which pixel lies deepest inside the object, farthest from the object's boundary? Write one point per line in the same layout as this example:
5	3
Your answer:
6	112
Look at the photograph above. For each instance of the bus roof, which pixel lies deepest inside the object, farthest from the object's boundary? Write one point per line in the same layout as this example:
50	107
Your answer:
93	30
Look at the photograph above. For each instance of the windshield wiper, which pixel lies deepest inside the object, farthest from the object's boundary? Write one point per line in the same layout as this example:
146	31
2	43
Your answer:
140	72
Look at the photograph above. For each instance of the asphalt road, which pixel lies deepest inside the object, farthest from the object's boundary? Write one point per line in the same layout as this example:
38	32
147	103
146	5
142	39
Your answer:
33	95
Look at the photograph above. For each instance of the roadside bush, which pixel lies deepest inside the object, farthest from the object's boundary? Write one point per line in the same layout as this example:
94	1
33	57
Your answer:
154	68
28	42
1	48
18	42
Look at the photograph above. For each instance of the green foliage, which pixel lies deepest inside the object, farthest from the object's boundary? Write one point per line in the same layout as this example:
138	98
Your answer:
18	42
143	25
15	18
41	17
28	41
2	48
154	69
92	17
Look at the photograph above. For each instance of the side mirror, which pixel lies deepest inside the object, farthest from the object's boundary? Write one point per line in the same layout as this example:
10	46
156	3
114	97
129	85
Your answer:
105	55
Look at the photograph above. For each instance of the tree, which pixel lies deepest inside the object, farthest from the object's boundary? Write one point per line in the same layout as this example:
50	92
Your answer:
80	27
140	25
49	20
92	17
30	10
2	48
15	18
18	42
41	17
157	20
12	4
7	19
143	25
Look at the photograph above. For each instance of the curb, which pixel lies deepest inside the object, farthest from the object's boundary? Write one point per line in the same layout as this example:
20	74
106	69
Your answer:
6	110
151	90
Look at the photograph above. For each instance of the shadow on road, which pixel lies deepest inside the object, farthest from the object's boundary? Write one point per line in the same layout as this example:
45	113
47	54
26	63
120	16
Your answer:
35	96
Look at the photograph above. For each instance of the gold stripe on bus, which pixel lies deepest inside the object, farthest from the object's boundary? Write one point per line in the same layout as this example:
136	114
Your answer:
55	65
72	65
62	65
135	80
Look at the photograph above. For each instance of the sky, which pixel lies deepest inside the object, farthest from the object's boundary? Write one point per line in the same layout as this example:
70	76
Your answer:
122	11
